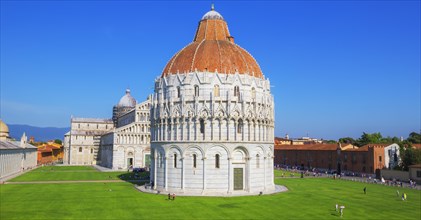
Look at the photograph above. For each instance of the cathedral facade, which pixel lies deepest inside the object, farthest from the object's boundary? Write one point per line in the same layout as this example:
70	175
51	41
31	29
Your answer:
119	143
212	118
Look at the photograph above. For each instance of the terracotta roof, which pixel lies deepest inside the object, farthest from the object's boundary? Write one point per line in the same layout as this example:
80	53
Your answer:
307	147
47	148
213	50
363	148
418	146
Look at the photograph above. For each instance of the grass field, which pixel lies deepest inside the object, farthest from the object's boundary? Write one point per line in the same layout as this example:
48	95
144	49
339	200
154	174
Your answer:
278	173
63	173
308	198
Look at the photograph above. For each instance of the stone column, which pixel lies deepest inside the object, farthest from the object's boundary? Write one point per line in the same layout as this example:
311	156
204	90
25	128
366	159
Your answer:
196	123
230	175
204	173
171	130
155	170
166	173
176	124
182	125
272	175
228	129
220	129
189	138
164	130
212	128
245	126
205	123
254	131
235	130
264	170
248	168
182	172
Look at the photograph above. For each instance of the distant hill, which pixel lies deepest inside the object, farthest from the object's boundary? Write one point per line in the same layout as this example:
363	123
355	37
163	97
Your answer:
40	134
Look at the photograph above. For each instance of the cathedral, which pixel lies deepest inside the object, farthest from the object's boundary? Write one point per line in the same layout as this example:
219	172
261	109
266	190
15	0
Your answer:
212	118
119	143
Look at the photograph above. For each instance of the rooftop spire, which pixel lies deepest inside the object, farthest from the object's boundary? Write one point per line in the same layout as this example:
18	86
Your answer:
212	7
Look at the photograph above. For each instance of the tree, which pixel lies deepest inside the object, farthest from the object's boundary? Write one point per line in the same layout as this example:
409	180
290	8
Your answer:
58	141
409	155
414	138
366	138
347	140
330	141
390	140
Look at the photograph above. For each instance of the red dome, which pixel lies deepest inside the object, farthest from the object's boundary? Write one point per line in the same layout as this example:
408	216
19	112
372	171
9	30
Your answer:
213	50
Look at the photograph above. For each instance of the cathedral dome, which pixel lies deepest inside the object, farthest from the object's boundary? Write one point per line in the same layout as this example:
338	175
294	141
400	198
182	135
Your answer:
213	50
127	100
4	130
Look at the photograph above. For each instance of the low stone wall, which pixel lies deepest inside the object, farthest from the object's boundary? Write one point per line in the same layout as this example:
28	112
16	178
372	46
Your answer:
390	174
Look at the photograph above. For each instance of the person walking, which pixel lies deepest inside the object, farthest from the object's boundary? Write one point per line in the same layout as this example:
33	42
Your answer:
365	190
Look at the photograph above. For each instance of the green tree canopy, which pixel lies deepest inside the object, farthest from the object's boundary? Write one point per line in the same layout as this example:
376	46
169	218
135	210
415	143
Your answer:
58	141
414	138
366	138
347	140
409	155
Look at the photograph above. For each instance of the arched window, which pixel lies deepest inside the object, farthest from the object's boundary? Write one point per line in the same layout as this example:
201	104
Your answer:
196	91
92	150
236	91
194	160
257	161
253	93
80	149
216	90
159	161
175	160
202	126
240	126
178	92
216	160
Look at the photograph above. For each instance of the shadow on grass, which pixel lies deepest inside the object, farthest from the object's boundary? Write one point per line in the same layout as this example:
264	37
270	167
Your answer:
229	205
138	178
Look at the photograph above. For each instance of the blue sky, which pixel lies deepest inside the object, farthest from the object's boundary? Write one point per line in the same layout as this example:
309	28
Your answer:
338	68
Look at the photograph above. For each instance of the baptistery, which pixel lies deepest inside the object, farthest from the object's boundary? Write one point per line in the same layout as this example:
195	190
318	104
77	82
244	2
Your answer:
212	118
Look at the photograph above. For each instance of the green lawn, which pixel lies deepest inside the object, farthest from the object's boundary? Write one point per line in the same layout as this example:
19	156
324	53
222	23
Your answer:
307	198
278	173
62	173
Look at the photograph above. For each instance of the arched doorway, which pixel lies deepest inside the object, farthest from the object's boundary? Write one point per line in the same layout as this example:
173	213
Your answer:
130	160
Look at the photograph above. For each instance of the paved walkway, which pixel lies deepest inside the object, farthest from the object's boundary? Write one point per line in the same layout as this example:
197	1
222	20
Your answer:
105	169
147	189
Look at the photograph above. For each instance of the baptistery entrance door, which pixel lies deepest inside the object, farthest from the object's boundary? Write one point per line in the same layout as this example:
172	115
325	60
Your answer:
238	179
129	163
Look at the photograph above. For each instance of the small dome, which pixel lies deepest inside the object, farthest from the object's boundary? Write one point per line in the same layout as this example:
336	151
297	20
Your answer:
127	100
212	14
4	129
